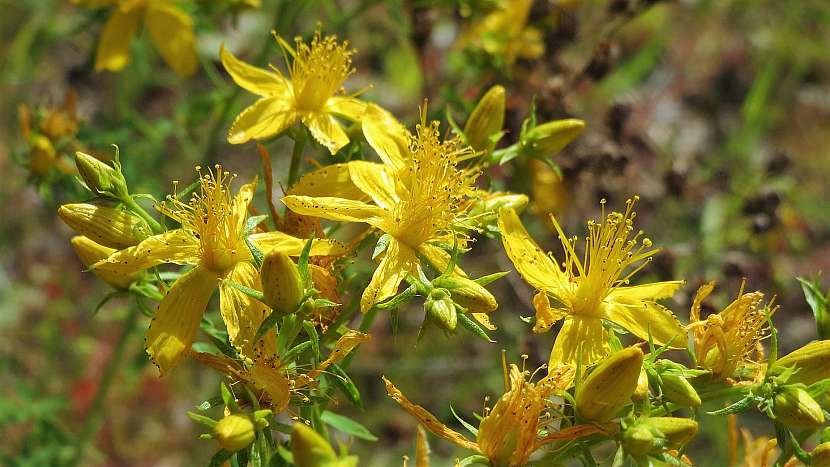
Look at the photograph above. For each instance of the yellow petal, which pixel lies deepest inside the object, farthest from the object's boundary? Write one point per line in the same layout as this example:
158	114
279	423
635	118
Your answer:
653	291
387	136
642	317
439	258
398	262
376	180
242	313
267	117
326	130
427	419
171	31
336	209
342	347
537	268
273	382
330	180
254	79
484	320
293	246
545	315
241	202
346	107
579	336
175	246
114	45
174	326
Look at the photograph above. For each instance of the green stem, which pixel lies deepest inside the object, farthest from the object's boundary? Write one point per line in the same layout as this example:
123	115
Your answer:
93	418
136	208
296	154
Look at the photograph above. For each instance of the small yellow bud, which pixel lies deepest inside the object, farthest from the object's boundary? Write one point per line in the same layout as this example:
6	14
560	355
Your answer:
309	448
812	363
42	155
638	440
820	456
677	431
441	309
234	432
677	389
101	177
794	407
467	293
486	120
642	386
281	283
90	253
547	139
492	202
108	226
610	386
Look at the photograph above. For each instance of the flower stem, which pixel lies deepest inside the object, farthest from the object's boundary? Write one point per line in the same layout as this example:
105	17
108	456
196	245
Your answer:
136	208
93	418
296	154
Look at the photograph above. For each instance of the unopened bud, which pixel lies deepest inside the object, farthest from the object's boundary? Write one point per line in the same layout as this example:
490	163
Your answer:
604	393
441	309
641	392
638	440
109	226
677	389
820	457
282	286
811	362
309	448
90	253
677	431
100	177
486	120
41	155
547	139
235	432
467	293
794	407
490	203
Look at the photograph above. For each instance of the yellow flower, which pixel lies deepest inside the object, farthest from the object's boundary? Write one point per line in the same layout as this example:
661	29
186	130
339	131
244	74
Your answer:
508	433
170	29
307	95
210	239
418	201
727	340
504	33
594	288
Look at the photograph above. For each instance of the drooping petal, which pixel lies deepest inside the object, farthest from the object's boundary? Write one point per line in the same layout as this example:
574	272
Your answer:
581	338
174	326
293	246
326	130
484	320
428	420
545	315
113	52
272	381
345	344
537	268
241	313
376	180
174	246
653	291
241	201
267	117
346	107
254	79
336	209
171	31
644	317
330	180
387	136
398	262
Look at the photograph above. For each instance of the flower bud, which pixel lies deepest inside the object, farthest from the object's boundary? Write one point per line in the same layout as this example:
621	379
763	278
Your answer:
441	309
811	362
281	284
41	155
642	386
486	120
794	407
547	139
309	448
677	389
638	440
112	227
467	293
100	177
677	431
490	203
234	432
90	253
609	387
820	457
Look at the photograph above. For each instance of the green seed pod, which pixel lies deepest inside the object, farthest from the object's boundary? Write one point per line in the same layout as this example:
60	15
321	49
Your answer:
820	457
467	293
486	120
677	431
794	407
112	227
604	393
309	448
282	286
234	432
101	177
90	253
441	309
547	139
638	440
677	389
812	363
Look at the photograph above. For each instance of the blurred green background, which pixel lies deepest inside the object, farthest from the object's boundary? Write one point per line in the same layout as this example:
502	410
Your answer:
717	113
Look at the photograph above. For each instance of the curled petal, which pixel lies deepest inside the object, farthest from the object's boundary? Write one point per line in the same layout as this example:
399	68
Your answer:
171	31
398	262
646	318
113	52
545	315
346	107
327	131
254	79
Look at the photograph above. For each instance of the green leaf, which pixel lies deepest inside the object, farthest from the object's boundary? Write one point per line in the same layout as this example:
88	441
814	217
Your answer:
210	403
490	278
474	460
818	302
399	299
302	262
247	290
347	425
308	326
381	245
468	323
463	422
219	458
295	351
199	418
346	385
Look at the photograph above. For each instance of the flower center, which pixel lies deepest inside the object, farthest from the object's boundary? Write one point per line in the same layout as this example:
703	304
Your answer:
319	70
